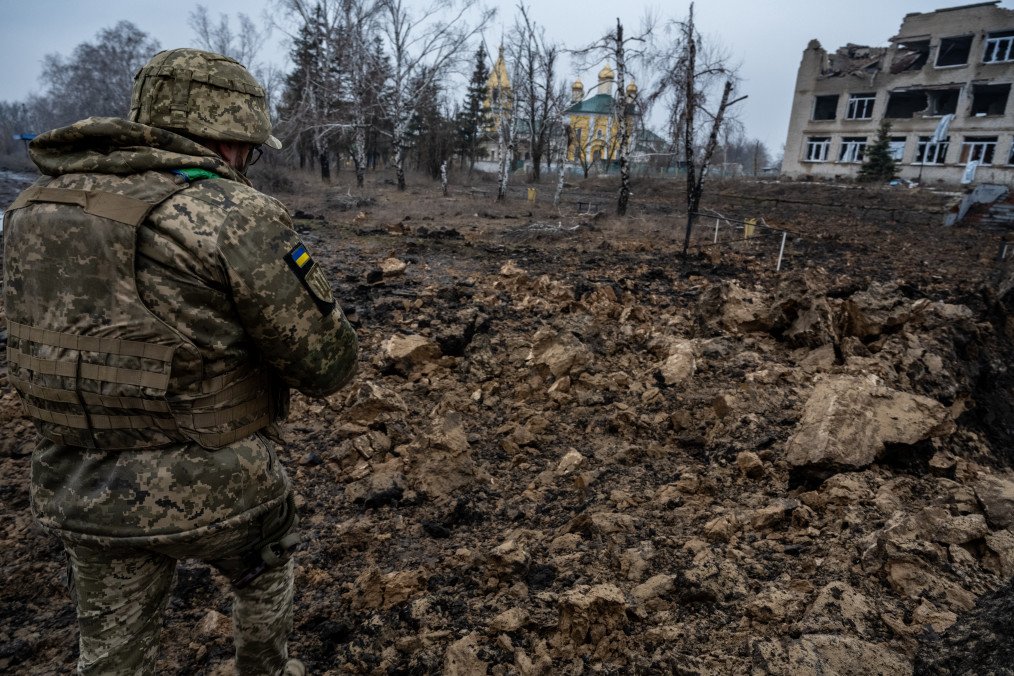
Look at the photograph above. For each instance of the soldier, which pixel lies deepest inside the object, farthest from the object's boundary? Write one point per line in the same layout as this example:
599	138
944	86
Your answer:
159	309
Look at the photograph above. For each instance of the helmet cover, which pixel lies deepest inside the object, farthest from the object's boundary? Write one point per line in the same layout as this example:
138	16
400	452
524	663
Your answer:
204	94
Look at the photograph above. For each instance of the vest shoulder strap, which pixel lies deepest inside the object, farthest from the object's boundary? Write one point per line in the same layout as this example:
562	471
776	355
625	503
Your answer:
126	208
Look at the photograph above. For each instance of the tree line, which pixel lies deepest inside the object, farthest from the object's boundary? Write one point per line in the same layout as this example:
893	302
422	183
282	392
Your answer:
367	85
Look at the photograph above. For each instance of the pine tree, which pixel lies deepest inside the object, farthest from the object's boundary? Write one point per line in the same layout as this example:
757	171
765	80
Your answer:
472	119
879	165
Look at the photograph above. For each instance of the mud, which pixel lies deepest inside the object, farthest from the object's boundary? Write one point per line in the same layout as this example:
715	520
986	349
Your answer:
570	451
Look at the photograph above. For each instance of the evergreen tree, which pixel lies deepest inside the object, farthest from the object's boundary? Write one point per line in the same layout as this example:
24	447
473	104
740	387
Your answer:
472	119
879	165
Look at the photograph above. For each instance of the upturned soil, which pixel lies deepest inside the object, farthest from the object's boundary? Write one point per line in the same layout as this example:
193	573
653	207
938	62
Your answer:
571	450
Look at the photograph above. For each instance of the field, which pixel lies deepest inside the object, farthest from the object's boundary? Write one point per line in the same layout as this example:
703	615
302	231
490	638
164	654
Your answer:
571	450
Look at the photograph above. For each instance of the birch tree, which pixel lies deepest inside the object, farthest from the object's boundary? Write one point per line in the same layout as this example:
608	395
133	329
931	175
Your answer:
691	74
536	93
423	45
504	109
623	49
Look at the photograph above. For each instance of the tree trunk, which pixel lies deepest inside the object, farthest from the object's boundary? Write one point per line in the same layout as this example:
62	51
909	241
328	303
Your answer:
443	177
623	126
536	168
325	168
559	187
359	153
690	102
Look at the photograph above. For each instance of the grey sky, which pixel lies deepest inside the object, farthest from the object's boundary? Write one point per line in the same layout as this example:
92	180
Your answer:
766	37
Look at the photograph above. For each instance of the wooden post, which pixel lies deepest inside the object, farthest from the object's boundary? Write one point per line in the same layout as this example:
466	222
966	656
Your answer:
781	252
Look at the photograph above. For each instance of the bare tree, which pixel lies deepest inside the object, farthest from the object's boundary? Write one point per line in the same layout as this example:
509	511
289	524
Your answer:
98	76
690	71
243	44
623	49
538	99
504	111
422	46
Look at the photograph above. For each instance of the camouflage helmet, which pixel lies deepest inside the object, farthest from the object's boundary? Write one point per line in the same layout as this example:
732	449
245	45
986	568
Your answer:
204	94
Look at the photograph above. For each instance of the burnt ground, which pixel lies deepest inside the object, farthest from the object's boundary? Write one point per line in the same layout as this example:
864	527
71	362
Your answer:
569	450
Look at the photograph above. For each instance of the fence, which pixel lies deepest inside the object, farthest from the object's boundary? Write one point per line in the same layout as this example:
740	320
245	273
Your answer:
745	233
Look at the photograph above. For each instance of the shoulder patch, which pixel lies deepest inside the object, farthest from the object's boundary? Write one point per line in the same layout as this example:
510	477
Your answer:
311	277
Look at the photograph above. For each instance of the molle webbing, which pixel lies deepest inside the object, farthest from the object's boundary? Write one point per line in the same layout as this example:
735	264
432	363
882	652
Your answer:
210	410
108	392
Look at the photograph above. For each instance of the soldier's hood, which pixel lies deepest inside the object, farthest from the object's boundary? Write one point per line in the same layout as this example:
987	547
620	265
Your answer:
111	145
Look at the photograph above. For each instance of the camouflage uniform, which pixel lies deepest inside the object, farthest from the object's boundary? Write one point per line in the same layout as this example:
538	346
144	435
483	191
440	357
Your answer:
155	360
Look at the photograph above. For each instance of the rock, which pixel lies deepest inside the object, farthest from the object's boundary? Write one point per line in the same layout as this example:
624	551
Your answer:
509	557
393	267
376	590
214	625
602	523
735	308
721	528
848	420
680	365
462	658
570	462
509	620
1000	557
654	587
827	654
773	515
916	582
750	464
370	402
878	309
558	354
997	497
928	615
445	465
839	609
411	350
954	530
588	615
772	605
384	486
812	327
511	269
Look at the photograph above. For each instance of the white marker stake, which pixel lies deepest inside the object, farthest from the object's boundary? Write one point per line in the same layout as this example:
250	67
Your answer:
780	252
716	231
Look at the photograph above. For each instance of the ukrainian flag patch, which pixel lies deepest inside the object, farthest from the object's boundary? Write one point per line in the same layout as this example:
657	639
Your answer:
300	256
311	277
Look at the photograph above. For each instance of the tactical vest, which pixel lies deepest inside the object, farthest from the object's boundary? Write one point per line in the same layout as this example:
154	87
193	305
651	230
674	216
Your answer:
93	365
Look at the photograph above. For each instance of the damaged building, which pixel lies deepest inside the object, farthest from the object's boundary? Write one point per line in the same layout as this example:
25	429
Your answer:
944	84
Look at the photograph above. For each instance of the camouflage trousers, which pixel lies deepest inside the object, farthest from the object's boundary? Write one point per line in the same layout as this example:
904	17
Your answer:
121	595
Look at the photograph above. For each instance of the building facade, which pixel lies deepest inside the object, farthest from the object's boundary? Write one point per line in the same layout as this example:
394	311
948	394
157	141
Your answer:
943	84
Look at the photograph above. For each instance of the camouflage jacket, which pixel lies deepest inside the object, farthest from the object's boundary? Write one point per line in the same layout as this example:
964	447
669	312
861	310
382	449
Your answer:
219	262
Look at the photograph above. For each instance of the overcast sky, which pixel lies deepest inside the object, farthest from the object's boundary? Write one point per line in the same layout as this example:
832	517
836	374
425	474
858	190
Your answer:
765	37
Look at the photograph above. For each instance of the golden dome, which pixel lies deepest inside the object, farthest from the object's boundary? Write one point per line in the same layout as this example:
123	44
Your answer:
606	73
631	89
577	84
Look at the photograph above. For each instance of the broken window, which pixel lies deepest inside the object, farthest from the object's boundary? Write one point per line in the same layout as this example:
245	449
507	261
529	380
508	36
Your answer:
817	148
954	51
910	56
999	47
942	102
825	107
852	148
931	153
905	104
896	147
989	99
860	106
978	149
